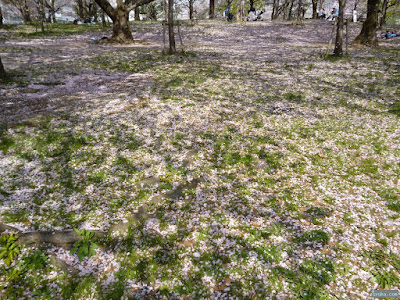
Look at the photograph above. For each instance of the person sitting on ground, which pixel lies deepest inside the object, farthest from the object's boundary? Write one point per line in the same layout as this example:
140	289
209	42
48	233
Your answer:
390	35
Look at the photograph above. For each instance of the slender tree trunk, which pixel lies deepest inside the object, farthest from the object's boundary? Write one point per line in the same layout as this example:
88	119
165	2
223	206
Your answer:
121	28
191	10
367	35
299	20
275	8
103	18
1	17
42	15
339	32
383	17
95	11
212	9
290	13
165	8
3	73
252	5
172	48
137	14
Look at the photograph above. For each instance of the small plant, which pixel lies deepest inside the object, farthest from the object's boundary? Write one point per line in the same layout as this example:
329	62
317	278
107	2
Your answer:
9	249
85	246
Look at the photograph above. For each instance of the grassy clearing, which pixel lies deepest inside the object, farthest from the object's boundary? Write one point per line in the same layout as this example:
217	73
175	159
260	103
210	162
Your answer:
300	165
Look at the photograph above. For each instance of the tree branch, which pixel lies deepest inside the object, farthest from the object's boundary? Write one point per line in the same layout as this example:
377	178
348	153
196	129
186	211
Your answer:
107	8
132	5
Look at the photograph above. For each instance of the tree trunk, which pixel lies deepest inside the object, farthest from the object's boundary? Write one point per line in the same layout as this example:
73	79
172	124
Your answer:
212	9
121	28
191	10
52	12
26	15
42	15
290	10
252	5
172	48
299	20
383	17
1	18
103	18
275	9
94	11
80	12
137	14
367	35
339	32
3	73
314	9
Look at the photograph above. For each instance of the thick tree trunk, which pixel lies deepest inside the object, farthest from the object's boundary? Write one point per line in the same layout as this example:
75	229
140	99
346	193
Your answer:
121	28
314	9
339	32
367	35
52	12
137	14
212	9
172	48
3	73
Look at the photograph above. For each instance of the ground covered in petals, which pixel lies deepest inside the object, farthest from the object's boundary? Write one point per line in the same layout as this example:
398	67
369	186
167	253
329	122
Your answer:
261	169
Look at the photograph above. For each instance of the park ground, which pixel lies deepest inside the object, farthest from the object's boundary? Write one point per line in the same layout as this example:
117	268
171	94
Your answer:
247	166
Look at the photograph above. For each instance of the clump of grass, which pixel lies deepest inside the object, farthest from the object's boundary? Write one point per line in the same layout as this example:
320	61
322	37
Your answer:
385	267
314	236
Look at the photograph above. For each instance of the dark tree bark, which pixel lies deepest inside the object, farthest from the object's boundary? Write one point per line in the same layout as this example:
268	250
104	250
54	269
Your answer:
275	9
339	32
42	14
212	9
3	73
172	48
191	10
314	9
367	35
1	17
120	16
137	14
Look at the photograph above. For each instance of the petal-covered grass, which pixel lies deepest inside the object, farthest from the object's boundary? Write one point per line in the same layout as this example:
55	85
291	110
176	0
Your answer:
297	160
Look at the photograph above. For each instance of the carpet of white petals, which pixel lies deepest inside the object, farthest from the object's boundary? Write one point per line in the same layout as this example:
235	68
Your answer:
298	156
